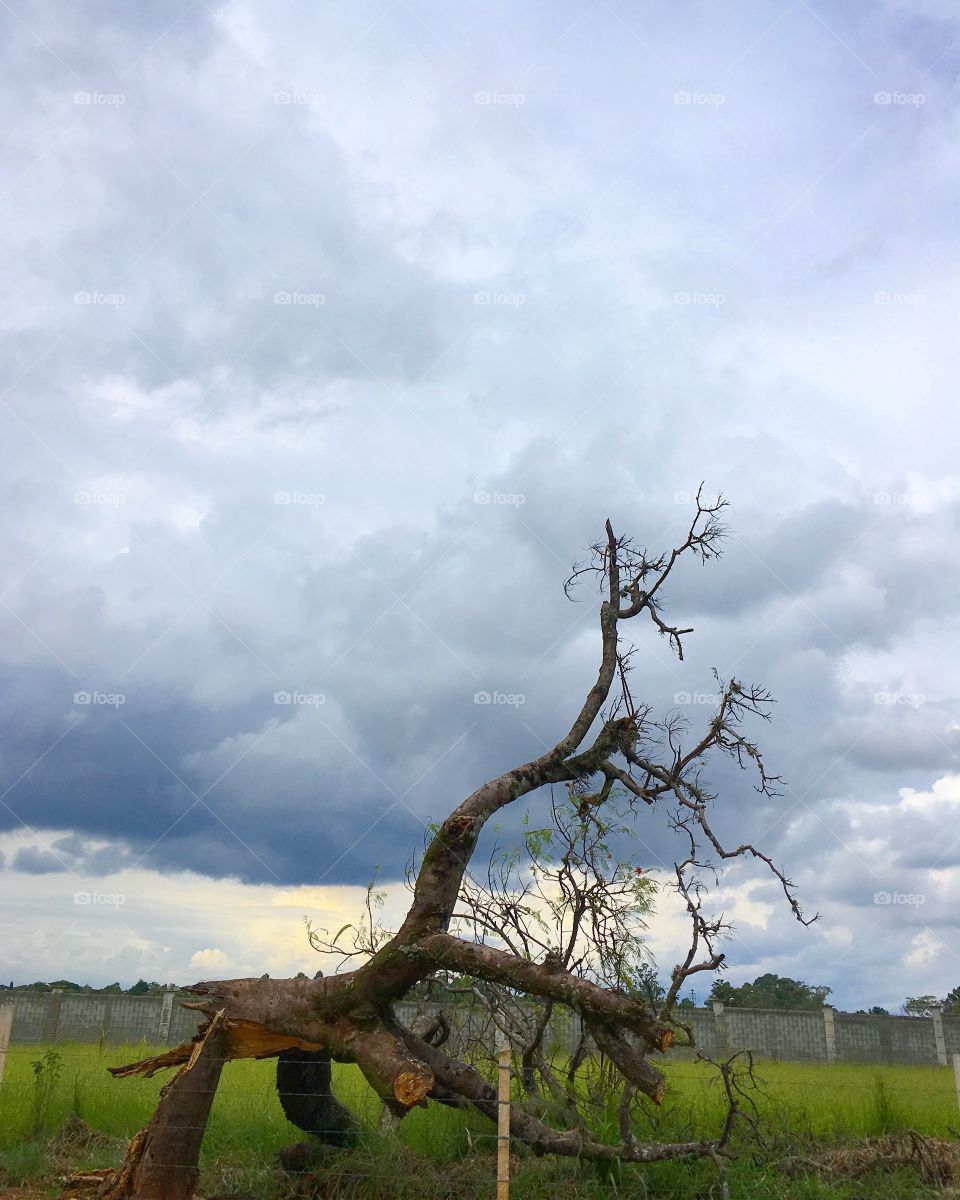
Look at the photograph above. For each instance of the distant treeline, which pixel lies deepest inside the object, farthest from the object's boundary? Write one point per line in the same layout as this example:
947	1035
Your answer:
140	988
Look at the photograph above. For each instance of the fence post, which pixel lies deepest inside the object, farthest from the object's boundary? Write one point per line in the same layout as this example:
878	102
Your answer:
107	1019
830	1032
720	1031
6	1024
938	1040
503	1122
166	1012
51	1018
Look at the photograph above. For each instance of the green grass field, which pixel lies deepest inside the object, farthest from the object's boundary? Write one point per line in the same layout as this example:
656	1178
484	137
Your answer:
441	1152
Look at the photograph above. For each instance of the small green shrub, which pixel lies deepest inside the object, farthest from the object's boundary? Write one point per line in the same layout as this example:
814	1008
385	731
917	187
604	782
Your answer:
46	1076
887	1112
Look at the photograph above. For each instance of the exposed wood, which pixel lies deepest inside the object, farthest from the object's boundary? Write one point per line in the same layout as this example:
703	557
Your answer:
147	1067
244	1039
413	1086
247	1039
385	1062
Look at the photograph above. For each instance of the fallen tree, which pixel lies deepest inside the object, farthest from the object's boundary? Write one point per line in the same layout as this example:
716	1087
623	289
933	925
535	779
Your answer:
500	943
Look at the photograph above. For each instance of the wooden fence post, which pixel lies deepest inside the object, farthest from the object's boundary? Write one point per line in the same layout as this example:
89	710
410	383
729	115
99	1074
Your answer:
6	1024
503	1123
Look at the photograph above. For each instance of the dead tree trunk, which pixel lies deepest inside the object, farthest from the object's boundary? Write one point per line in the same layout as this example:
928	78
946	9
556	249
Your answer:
162	1159
349	1017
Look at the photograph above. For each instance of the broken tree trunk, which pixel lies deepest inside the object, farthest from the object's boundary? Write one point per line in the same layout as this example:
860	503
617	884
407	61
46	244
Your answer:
162	1159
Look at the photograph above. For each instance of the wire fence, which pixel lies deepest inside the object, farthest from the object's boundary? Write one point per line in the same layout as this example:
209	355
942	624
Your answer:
62	1093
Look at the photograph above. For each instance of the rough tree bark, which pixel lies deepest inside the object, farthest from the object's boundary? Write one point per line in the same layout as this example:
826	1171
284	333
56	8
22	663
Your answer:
349	1017
161	1160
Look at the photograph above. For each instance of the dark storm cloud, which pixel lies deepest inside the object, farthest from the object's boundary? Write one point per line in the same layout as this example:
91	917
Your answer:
386	705
73	854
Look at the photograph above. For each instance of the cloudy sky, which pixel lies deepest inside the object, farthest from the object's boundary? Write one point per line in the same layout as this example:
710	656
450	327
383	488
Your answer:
333	333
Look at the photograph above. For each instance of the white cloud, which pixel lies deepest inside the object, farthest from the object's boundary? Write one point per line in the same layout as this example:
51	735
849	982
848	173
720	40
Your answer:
210	960
938	801
926	947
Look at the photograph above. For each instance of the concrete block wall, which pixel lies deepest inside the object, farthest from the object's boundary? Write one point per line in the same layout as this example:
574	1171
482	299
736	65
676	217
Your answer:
705	1032
830	1036
183	1022
904	1040
61	1016
29	1011
772	1033
816	1036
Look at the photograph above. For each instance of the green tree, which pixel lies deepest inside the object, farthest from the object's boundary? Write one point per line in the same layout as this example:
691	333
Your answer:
140	988
646	984
951	1001
920	1006
725	993
770	991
